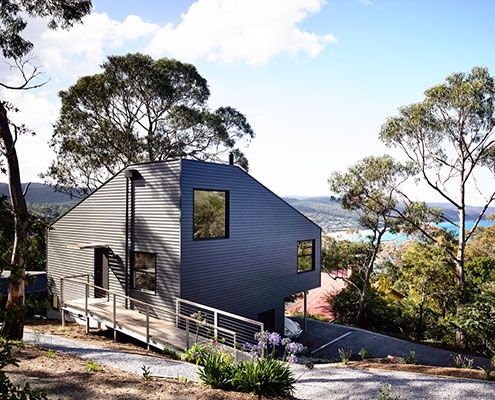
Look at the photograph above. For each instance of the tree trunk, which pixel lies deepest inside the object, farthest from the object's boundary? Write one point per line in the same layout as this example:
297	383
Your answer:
13	326
364	291
459	262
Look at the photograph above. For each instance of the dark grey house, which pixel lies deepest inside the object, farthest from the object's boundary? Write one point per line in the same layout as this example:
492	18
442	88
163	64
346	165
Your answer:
205	232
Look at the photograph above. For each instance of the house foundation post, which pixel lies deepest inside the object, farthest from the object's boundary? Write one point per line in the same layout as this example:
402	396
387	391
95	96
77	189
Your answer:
305	327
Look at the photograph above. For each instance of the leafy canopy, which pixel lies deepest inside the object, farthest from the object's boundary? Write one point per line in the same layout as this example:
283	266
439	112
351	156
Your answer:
139	110
61	13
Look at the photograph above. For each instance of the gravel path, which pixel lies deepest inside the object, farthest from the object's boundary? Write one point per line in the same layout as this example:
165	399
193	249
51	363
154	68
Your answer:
321	383
130	362
337	383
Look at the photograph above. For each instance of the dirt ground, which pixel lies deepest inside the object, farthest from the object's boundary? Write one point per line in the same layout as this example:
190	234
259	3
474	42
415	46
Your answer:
67	377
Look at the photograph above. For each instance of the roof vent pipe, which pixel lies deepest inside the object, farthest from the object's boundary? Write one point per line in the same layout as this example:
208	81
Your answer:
231	158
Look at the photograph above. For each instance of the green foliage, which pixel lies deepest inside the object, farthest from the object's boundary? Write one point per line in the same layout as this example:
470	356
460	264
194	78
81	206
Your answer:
198	353
460	361
146	373
488	370
92	366
345	355
139	109
218	371
9	391
49	353
264	377
13	21
409	358
343	254
364	353
386	393
477	318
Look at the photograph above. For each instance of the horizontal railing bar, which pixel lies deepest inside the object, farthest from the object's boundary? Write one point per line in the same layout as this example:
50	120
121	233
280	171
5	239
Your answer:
239	317
171	313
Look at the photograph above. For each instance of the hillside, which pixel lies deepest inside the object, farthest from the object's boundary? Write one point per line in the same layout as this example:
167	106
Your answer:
327	213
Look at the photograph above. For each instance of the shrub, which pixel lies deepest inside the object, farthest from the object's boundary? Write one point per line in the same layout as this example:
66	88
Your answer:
410	358
364	353
386	393
92	366
49	353
345	355
9	391
146	373
462	362
218	371
264	377
197	353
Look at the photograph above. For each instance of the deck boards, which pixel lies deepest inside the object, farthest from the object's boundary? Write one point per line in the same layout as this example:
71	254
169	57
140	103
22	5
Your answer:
163	334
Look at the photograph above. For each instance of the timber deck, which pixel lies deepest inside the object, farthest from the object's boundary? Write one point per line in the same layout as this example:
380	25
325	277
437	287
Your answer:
163	334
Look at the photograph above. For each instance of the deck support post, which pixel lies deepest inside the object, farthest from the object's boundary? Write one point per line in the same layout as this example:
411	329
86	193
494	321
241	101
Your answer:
305	327
86	307
187	334
62	301
147	328
114	318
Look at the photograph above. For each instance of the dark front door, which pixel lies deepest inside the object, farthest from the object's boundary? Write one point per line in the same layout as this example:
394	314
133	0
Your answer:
101	271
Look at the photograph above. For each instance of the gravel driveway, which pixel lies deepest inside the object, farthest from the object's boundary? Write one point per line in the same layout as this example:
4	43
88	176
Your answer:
323	382
130	362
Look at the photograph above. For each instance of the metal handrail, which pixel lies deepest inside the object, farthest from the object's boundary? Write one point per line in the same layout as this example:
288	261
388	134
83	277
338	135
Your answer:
147	305
216	310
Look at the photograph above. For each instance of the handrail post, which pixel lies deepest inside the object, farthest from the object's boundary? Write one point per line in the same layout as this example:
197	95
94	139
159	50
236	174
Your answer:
147	328
215	324
187	334
86	306
114	317
177	307
235	346
62	301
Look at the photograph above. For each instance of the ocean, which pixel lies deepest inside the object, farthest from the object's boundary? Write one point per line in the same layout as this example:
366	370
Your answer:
358	235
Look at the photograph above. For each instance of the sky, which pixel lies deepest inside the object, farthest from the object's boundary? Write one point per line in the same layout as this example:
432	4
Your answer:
316	79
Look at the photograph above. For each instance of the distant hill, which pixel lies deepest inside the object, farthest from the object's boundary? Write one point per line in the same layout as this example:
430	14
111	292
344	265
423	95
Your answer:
327	213
40	193
332	217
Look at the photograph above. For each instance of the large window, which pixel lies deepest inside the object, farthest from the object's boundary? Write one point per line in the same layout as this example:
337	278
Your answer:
305	255
211	214
144	276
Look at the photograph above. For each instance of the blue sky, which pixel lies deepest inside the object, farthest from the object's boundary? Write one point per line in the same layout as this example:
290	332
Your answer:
316	102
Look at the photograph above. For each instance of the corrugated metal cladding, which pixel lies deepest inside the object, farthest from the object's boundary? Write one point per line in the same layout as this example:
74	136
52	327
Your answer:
256	267
101	218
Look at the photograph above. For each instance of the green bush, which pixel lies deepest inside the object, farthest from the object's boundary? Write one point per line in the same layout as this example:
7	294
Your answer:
198	353
218	371
9	391
264	377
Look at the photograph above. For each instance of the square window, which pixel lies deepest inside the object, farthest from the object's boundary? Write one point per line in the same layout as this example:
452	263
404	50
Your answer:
305	255
144	271
211	216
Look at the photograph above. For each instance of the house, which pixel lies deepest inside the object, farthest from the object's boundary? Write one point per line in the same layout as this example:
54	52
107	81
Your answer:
205	232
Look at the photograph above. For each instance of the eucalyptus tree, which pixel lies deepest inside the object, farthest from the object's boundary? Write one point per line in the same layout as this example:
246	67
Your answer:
137	110
450	139
370	188
24	76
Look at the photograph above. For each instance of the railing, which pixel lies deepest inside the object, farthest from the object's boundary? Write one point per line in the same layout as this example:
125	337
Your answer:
227	336
245	328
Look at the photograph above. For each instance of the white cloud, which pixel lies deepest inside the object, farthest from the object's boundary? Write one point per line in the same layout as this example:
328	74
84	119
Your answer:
231	31
82	49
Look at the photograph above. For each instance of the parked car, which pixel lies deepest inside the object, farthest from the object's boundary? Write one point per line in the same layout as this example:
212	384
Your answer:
291	328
